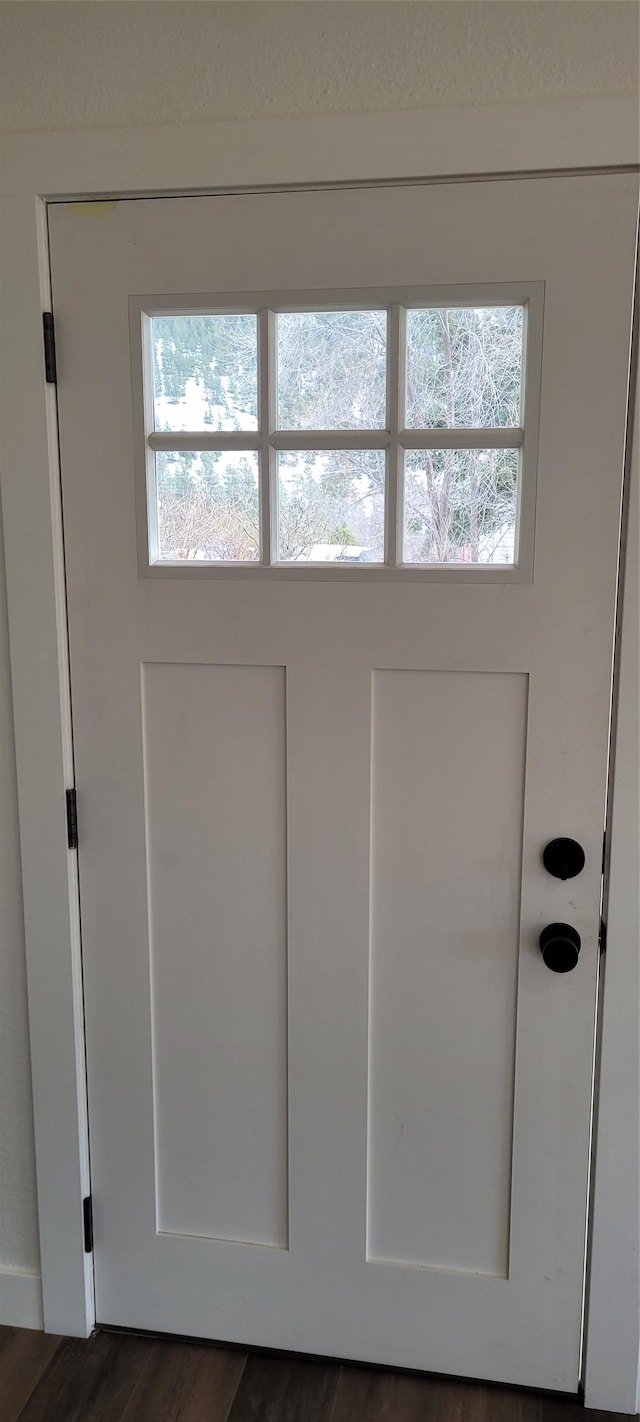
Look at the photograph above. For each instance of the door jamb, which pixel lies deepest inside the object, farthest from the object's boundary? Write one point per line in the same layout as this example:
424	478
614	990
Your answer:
614	1242
513	140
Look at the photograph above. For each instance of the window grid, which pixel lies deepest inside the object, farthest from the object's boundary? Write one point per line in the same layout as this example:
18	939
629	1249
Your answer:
395	439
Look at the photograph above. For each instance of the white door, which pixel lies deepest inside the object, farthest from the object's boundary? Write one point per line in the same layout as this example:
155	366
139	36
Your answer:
341	486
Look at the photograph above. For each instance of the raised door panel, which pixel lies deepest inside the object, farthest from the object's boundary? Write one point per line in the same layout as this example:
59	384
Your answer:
215	793
448	757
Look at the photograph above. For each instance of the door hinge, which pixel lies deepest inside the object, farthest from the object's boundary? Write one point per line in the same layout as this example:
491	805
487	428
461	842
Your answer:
602	936
49	333
72	819
87	1220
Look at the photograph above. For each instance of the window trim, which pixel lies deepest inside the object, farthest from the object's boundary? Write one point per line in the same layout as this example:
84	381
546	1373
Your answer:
268	440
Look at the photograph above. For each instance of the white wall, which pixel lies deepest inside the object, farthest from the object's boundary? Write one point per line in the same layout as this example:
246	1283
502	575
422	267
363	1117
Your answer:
18	1229
112	64
115	64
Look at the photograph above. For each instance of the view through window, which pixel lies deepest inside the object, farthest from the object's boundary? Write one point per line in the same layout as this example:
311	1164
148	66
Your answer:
388	435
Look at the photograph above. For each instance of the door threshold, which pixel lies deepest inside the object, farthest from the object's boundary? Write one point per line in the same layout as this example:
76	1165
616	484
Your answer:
294	1356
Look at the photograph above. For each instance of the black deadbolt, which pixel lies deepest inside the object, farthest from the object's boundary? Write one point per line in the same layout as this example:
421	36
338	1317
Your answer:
564	858
560	946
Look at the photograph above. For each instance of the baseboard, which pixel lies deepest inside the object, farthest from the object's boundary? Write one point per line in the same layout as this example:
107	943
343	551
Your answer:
20	1299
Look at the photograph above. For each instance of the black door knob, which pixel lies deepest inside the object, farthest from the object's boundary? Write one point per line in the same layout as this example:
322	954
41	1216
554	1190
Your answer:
564	858
560	946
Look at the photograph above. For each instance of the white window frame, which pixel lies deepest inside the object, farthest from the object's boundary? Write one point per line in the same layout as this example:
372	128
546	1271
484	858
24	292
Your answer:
268	440
501	141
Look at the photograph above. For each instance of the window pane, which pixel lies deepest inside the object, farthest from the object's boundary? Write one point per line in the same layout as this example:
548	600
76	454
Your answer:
464	367
331	506
460	505
205	372
208	506
332	370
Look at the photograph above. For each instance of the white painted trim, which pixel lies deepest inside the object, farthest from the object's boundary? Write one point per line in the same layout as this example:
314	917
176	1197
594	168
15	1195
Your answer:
513	138
613	1322
20	1299
37	633
509	139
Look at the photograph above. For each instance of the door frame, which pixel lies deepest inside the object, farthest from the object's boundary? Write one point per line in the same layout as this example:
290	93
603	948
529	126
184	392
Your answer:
36	169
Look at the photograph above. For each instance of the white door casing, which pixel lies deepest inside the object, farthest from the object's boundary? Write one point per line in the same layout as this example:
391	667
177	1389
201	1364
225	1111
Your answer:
492	1276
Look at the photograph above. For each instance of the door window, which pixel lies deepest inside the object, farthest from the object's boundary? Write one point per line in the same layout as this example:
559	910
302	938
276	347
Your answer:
395	434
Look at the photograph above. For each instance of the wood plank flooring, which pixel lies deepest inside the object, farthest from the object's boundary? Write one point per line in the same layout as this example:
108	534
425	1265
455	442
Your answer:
120	1378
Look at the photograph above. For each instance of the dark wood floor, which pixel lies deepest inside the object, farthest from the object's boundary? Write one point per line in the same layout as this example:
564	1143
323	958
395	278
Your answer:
116	1378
